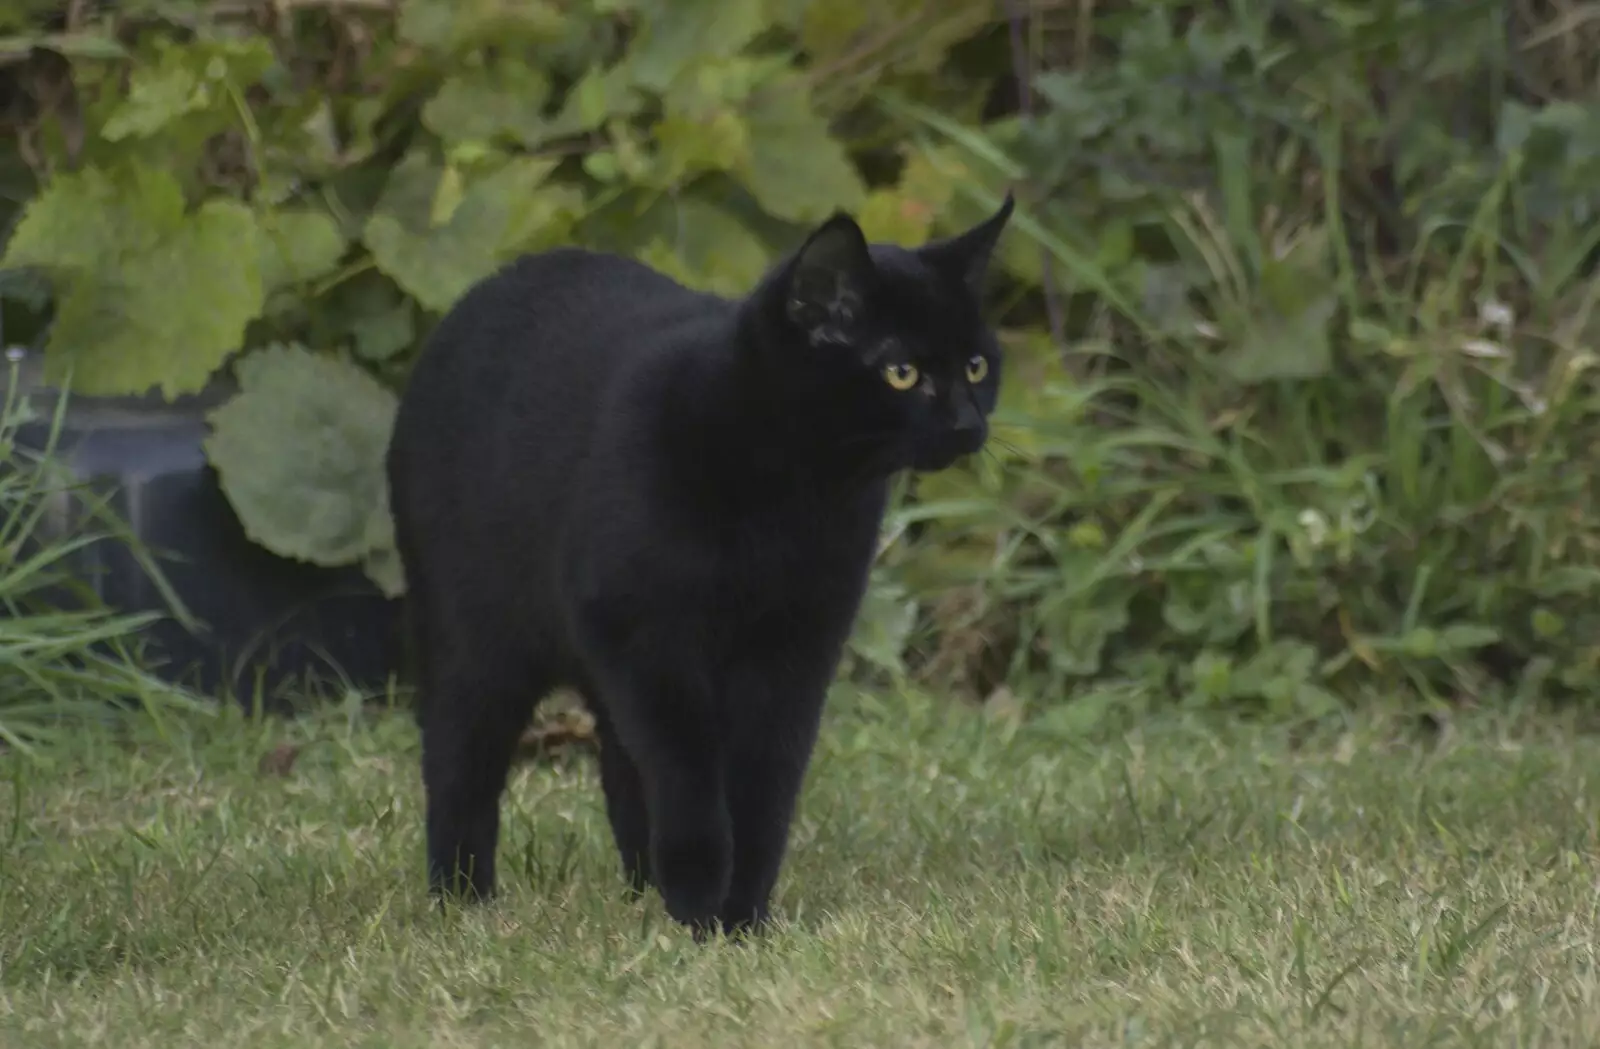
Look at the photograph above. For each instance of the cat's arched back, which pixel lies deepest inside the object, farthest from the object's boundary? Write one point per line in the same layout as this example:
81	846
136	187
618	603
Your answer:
669	501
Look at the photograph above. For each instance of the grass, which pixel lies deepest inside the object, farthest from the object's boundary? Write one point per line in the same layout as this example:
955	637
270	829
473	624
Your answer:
65	657
953	882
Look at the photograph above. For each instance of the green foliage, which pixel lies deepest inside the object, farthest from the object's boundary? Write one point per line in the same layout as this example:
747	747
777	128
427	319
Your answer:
129	267
65	659
336	176
300	452
1299	301
1326	413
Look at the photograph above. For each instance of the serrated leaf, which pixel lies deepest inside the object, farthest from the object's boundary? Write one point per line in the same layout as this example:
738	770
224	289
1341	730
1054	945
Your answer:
498	215
300	455
146	294
298	245
185	79
76	218
794	168
156	96
599	96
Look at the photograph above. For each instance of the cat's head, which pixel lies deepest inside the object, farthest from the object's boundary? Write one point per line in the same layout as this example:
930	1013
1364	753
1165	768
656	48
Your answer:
891	341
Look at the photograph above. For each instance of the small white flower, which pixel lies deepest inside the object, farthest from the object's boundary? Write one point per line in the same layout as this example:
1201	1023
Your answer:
1496	314
1315	526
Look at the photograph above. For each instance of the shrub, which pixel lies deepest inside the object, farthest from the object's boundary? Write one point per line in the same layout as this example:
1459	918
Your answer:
1299	298
1322	419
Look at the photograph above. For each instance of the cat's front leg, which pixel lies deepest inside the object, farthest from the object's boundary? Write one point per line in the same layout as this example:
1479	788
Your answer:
668	728
769	751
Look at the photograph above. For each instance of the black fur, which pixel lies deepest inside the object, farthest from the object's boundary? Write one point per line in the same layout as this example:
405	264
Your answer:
668	501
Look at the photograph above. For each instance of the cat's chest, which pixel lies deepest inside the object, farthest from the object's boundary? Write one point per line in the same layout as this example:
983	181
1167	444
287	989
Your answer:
815	562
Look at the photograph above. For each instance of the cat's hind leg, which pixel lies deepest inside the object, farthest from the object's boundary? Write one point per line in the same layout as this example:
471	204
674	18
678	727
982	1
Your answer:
625	805
476	703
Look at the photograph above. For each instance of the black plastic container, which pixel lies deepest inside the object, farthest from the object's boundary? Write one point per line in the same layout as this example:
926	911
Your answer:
270	629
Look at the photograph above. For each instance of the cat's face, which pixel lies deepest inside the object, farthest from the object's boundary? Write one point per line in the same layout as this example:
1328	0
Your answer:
893	342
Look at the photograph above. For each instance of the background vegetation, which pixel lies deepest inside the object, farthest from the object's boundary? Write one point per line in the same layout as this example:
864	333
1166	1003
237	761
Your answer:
1299	305
61	668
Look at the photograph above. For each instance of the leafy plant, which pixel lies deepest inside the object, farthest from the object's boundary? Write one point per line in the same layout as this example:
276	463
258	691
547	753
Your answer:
64	657
1324	420
216	185
1299	301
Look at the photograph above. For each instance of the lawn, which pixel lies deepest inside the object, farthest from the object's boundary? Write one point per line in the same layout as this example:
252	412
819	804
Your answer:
954	881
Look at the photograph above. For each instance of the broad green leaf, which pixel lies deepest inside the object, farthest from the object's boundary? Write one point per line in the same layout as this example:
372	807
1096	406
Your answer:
298	245
369	312
717	85
455	25
679	35
691	237
76	218
185	79
498	215
381	335
300	454
906	214
146	294
689	147
705	247
795	169
599	96
481	105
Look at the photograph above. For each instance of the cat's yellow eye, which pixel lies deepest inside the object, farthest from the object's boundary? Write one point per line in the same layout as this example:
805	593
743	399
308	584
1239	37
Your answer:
901	376
977	368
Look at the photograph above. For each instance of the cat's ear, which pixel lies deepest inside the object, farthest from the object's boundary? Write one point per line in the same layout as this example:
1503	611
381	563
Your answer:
966	256
829	279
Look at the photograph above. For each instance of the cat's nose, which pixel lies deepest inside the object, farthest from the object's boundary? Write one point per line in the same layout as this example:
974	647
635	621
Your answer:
968	420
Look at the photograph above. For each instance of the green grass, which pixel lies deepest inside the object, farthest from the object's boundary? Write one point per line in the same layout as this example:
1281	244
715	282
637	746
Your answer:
953	882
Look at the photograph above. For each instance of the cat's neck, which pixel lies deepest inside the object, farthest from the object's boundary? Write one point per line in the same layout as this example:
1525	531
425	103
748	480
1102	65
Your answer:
737	425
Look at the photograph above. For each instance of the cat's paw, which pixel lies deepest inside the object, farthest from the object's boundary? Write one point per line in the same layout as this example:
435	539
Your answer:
692	873
742	921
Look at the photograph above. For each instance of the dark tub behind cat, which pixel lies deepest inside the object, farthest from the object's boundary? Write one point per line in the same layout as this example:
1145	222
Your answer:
668	501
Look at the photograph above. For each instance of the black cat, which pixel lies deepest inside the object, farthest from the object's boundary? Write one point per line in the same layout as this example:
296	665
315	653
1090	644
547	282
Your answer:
668	501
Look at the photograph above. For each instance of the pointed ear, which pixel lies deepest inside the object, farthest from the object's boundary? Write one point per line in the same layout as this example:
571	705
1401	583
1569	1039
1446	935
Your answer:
966	256
829	279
